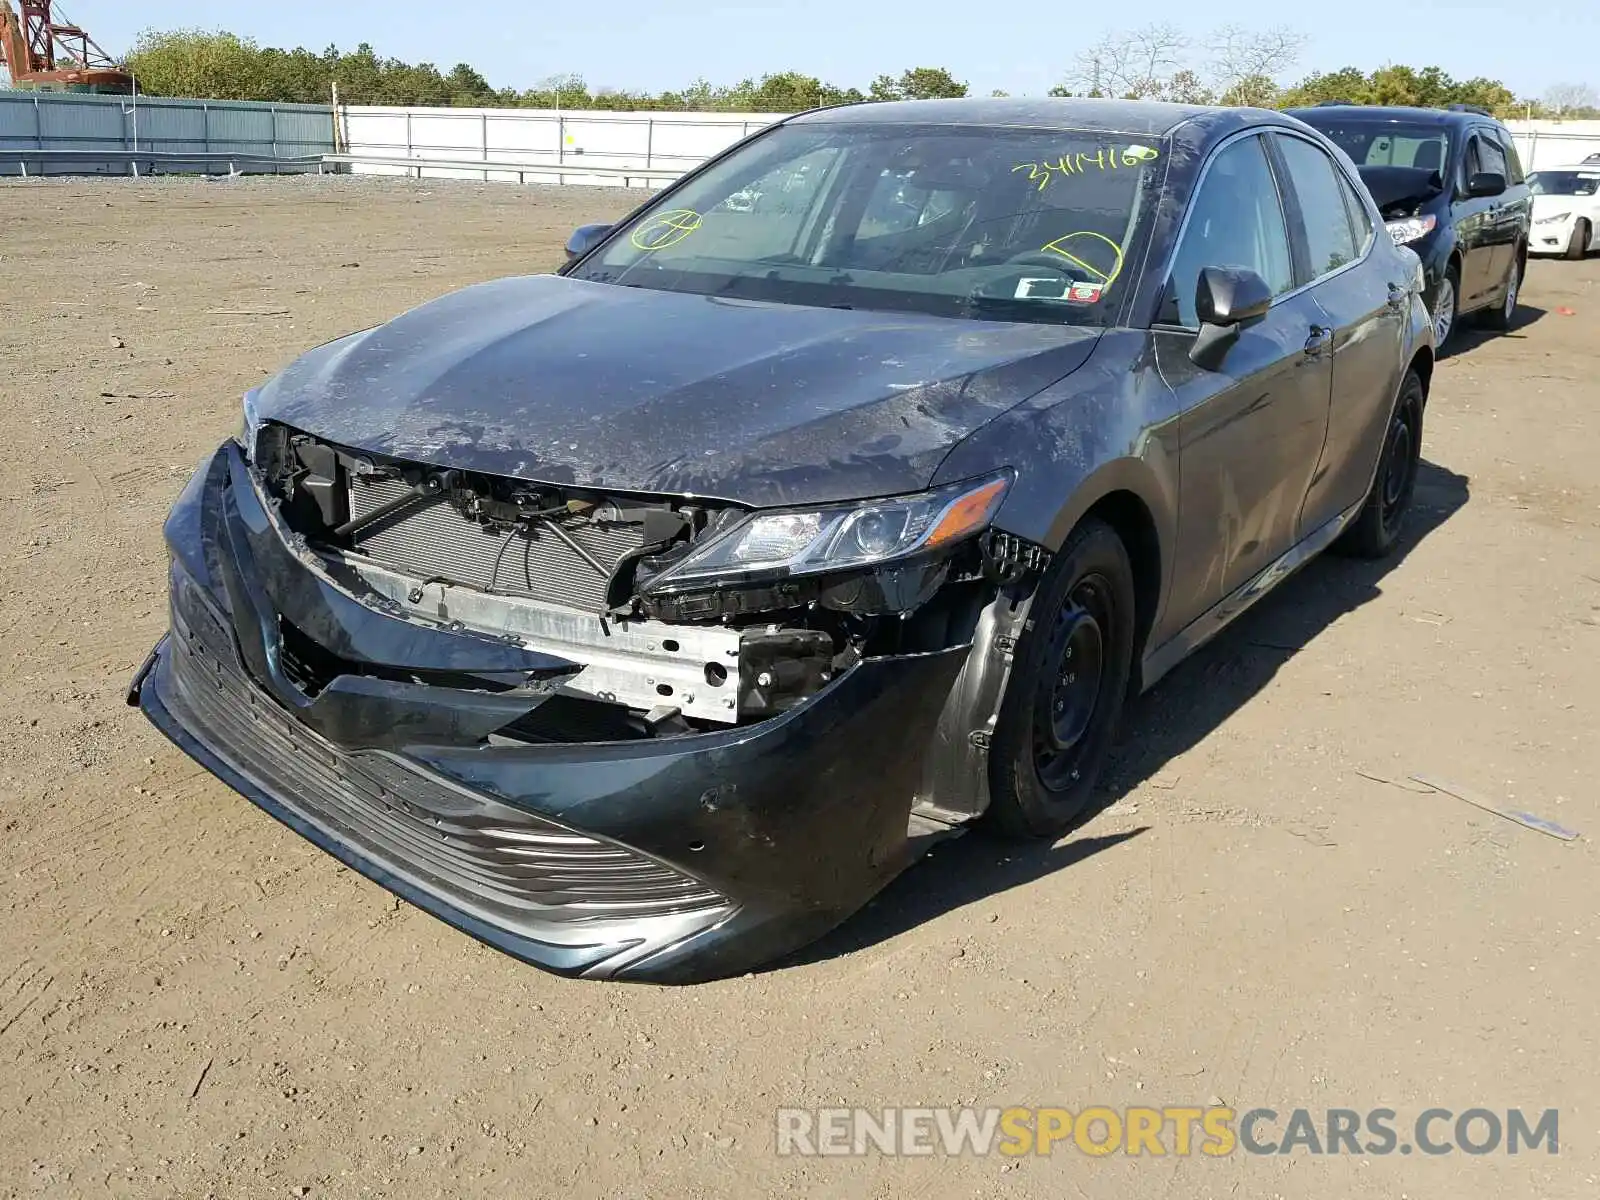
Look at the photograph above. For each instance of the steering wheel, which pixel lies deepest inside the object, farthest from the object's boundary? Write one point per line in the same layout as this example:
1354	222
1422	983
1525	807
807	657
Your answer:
1054	262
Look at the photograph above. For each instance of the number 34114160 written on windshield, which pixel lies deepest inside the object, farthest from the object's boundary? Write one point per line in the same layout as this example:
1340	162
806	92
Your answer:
1106	158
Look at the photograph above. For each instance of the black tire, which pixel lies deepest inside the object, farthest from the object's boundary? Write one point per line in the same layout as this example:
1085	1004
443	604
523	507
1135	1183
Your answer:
1377	528
1068	685
1578	245
1504	314
1452	277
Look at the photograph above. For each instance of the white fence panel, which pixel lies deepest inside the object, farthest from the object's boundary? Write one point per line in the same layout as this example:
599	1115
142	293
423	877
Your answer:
674	141
671	141
1555	143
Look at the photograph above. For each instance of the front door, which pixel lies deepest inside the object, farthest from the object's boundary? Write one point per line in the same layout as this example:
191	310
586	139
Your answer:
1251	430
1475	228
1508	212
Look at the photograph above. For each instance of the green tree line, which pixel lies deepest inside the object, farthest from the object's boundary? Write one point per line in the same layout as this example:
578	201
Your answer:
1155	63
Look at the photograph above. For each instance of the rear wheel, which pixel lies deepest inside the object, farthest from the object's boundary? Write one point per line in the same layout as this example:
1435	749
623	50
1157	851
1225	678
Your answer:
1068	684
1445	301
1377	528
1578	245
1501	316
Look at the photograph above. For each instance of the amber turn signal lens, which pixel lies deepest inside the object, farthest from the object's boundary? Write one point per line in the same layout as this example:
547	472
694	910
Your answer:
968	514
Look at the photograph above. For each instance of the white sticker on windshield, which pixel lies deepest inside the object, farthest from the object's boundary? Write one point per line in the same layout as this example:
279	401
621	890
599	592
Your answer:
1048	287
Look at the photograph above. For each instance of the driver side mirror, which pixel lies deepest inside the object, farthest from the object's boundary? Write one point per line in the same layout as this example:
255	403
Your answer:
584	239
1482	184
1225	299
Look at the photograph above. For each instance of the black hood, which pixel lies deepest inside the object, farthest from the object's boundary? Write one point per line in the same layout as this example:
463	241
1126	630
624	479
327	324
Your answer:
559	380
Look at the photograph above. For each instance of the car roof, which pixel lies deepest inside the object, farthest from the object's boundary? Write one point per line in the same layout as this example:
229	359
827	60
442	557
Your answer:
1588	168
1148	117
1393	112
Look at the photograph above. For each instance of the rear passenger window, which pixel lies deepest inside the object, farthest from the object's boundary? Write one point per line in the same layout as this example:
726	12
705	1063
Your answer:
1360	219
1322	205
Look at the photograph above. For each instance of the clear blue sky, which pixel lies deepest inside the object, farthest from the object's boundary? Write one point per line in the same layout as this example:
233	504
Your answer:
1022	46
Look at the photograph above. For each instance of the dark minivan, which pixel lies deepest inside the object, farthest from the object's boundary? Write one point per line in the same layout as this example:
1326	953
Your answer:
1450	185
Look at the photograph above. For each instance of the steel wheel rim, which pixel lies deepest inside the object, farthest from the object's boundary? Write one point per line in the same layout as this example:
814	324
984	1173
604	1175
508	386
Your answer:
1397	467
1444	311
1068	699
1512	286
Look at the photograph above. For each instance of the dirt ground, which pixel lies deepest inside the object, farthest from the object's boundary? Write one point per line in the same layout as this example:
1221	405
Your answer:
195	1002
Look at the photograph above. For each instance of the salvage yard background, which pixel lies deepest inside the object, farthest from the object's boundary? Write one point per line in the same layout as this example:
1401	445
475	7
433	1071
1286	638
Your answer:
195	1002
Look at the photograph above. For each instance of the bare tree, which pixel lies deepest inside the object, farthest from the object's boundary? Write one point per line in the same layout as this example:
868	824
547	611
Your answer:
1565	96
1153	63
1244	62
1138	64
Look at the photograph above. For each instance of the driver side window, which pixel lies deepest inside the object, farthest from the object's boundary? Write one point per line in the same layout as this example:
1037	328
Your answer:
1491	156
1235	220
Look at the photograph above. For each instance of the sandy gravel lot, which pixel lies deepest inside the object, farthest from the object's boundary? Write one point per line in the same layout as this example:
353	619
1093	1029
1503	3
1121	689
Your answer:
195	1002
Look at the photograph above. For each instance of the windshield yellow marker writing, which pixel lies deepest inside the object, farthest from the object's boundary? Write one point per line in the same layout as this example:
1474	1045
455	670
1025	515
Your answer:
1106	277
666	229
1106	158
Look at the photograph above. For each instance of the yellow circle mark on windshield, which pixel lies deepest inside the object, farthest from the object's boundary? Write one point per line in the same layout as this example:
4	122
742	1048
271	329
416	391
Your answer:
1092	252
666	229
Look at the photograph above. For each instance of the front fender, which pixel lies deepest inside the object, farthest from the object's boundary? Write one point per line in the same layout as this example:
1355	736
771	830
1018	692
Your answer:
1111	426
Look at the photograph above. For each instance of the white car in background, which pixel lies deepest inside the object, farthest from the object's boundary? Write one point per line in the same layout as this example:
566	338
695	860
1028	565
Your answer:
1566	210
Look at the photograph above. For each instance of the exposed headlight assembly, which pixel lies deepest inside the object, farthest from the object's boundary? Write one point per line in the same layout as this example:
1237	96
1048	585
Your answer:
249	426
1552	218
1410	229
838	537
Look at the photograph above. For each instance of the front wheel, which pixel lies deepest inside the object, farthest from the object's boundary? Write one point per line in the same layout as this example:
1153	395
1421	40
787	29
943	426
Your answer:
1068	684
1445	302
1500	317
1376	530
1578	244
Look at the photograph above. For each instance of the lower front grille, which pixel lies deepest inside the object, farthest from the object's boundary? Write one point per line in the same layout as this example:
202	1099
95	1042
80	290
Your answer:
434	538
496	862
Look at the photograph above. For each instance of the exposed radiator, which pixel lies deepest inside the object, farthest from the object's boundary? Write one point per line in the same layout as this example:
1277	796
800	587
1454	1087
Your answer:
432	537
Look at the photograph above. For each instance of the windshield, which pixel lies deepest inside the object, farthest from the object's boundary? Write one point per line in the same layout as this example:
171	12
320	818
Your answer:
1372	143
1002	224
1564	183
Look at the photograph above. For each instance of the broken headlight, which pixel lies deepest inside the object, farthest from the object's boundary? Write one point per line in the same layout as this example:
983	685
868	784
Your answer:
838	537
1405	230
249	426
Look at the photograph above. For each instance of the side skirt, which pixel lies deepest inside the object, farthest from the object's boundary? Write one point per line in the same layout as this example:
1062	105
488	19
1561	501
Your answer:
1198	632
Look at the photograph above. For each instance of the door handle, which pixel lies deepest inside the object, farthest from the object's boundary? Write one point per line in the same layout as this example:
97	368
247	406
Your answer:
1320	339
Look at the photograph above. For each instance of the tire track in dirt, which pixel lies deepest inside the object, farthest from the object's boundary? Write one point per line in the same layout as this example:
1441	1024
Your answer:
28	992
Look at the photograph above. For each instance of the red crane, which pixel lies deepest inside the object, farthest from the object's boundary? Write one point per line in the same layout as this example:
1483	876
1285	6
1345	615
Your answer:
54	55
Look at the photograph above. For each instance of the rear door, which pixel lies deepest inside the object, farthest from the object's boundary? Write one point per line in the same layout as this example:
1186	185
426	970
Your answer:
1251	431
1357	282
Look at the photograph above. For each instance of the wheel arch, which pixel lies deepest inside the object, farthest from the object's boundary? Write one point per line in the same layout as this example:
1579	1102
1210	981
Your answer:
1130	497
1422	363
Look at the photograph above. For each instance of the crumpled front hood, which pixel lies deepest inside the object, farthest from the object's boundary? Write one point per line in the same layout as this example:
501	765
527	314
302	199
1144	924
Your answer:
564	381
1398	191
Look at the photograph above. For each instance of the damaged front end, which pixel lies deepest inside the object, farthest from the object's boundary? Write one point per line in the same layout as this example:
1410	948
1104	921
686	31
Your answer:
641	736
679	614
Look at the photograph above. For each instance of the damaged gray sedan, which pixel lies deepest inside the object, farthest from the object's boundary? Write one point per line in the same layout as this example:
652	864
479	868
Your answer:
645	619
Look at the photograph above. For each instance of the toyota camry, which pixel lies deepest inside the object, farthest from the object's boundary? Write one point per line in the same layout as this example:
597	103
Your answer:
645	618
